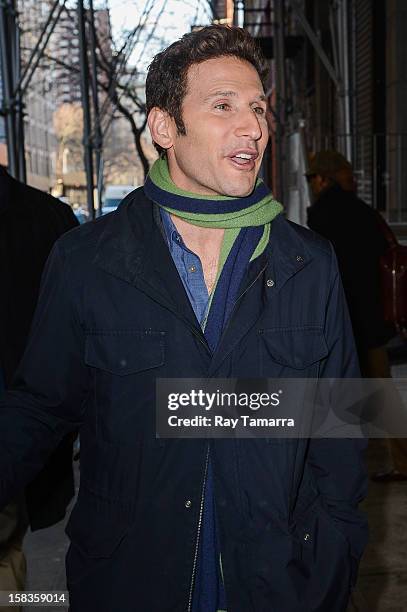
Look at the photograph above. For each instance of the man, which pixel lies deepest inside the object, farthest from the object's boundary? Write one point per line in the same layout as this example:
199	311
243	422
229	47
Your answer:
197	274
352	227
355	231
30	222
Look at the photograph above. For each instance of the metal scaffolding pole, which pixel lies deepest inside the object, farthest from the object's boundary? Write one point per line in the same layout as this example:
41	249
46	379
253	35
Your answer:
238	13
279	56
15	81
314	40
343	70
87	141
339	73
18	95
9	61
98	139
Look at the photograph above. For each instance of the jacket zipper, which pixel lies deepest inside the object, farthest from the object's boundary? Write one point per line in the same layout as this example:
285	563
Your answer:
198	533
251	284
200	338
239	298
196	333
207	457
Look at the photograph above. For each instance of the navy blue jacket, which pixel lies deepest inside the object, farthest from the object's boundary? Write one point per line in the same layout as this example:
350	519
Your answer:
113	316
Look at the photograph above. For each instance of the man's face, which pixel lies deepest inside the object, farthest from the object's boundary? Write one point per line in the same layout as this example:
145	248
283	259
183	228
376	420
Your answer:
224	112
317	184
346	179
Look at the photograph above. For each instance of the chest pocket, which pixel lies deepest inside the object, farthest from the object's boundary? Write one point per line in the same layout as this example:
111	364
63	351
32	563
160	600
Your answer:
296	348
126	364
125	352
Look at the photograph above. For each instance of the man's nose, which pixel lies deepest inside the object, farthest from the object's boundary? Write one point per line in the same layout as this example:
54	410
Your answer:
248	124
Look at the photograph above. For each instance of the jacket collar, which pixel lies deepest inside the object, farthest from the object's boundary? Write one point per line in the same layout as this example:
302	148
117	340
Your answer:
288	250
132	247
120	248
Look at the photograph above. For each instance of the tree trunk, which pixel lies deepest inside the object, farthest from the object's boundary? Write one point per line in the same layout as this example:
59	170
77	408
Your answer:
137	140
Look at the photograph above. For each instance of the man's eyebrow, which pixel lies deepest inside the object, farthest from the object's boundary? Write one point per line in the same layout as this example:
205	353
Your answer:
224	94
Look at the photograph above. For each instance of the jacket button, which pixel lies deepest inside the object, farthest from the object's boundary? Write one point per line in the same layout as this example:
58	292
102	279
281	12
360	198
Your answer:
270	282
188	503
306	537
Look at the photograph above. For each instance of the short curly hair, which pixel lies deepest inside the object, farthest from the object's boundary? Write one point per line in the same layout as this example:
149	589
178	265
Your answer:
166	84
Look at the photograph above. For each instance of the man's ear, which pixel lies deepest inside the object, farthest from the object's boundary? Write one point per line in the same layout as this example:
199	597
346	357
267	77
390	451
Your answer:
159	123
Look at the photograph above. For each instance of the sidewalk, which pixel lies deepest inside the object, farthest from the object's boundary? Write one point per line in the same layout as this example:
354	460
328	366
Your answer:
382	583
45	551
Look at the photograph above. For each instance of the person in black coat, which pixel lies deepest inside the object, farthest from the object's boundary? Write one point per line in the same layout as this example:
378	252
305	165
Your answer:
354	228
30	222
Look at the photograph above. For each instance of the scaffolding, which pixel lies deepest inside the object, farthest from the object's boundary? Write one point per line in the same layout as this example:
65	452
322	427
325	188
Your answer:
12	107
16	81
282	29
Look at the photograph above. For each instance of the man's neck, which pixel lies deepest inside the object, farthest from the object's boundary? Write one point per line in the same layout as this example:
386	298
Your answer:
204	242
199	239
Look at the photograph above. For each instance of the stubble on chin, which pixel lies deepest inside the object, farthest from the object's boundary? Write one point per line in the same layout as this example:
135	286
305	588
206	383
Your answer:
244	190
238	193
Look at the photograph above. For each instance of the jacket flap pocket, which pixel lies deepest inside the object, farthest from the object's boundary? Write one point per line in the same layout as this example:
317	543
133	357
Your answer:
124	352
297	348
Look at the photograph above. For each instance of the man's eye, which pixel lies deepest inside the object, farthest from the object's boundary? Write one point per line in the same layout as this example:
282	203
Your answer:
259	110
222	106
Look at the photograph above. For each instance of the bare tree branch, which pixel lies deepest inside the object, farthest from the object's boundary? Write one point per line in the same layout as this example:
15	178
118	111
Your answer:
120	94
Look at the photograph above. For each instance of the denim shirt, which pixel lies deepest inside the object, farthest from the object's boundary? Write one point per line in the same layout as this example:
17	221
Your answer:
189	268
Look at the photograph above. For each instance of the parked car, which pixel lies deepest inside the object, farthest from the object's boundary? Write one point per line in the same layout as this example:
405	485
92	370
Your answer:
81	214
113	195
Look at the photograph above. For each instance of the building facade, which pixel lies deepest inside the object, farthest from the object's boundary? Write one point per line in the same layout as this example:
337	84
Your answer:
65	51
338	80
40	101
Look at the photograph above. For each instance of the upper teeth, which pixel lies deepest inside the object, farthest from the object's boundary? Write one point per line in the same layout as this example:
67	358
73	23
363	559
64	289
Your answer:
244	155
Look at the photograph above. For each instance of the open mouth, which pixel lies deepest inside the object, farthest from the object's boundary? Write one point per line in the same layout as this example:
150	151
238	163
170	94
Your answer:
244	161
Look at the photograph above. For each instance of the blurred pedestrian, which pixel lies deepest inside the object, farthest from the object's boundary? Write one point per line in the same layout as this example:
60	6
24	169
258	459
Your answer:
30	222
356	233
